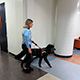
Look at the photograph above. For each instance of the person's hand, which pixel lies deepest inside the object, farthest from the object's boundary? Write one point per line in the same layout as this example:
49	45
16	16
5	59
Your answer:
30	51
41	49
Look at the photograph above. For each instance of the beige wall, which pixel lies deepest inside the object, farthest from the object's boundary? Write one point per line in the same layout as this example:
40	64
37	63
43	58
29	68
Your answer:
43	14
48	26
66	26
14	20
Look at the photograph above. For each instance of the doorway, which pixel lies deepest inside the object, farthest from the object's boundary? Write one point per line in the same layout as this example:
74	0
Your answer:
3	31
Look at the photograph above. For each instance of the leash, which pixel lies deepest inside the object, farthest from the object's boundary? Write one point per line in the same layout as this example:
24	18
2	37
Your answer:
42	51
39	47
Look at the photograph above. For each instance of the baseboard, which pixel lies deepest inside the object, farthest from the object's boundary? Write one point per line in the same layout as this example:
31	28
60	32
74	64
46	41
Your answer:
54	54
77	48
63	56
12	54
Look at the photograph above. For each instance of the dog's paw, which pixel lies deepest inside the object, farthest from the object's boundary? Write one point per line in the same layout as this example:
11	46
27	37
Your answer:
40	66
50	66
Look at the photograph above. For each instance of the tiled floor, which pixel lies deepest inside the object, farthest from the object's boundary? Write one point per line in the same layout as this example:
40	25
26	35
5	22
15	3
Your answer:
10	69
48	77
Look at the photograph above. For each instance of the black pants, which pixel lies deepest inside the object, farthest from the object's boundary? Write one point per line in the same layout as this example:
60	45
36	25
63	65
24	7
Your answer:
23	52
28	58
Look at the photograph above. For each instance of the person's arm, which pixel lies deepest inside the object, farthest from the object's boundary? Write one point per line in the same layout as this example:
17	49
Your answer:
27	44
27	41
30	51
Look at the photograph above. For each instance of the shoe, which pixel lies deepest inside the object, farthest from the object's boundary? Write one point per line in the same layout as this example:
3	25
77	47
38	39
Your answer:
26	70
31	69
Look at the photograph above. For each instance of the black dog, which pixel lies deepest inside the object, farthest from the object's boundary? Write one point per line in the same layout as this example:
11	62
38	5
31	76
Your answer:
43	54
40	54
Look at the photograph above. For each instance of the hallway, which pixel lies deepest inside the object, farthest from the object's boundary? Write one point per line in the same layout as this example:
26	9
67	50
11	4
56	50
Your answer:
10	69
61	68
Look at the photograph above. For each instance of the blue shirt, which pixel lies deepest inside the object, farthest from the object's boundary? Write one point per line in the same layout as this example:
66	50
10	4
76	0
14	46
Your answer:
26	35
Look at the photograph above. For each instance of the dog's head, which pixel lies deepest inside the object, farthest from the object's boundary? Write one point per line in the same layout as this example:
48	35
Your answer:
50	48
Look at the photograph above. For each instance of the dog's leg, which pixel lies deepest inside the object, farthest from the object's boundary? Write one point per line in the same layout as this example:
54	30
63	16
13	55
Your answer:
46	60
40	60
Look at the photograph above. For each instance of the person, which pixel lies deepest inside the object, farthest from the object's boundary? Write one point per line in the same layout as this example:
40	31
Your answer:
26	46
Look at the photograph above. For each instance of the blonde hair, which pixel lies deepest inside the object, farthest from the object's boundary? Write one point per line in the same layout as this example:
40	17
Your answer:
27	22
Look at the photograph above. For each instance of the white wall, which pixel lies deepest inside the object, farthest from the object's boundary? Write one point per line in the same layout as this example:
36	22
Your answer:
78	20
66	26
14	21
24	10
43	32
43	14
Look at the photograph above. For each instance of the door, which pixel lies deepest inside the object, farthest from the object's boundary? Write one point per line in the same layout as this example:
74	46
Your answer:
3	33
